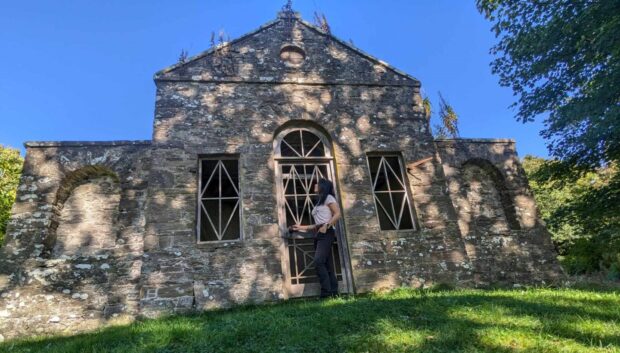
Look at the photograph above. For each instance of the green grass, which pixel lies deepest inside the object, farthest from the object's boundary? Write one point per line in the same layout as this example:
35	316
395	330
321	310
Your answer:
405	320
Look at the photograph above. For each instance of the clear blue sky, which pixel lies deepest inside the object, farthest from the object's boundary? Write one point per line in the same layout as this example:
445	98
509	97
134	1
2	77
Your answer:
82	70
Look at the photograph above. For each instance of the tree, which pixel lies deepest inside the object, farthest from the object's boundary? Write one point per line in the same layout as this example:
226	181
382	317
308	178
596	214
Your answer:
562	59
321	21
448	119
10	171
580	212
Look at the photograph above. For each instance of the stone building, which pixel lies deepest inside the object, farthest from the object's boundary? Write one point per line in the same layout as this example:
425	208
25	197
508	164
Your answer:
197	217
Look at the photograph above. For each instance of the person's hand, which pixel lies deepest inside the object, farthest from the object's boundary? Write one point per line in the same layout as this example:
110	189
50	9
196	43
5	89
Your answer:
297	227
323	228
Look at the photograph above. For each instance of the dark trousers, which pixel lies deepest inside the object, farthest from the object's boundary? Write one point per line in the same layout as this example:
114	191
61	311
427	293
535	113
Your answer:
324	262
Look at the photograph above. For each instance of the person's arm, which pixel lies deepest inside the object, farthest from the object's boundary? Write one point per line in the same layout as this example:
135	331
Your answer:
335	216
335	212
299	227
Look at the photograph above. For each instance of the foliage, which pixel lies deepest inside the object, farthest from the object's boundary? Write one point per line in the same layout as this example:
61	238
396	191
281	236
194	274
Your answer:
448	119
321	22
183	56
10	171
562	58
222	37
428	107
582	212
404	320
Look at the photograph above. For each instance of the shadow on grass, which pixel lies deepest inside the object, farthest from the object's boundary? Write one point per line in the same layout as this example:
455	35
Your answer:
401	321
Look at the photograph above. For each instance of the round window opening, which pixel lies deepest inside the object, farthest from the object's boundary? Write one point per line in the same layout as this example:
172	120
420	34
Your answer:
292	55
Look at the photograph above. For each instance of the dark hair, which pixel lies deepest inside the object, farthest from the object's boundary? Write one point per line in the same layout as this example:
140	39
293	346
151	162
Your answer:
325	188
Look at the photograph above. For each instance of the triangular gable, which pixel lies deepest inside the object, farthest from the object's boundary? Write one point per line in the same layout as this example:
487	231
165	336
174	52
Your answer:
359	51
211	65
212	50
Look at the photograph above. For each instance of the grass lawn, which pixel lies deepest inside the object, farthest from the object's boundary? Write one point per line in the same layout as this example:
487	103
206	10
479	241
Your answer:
405	320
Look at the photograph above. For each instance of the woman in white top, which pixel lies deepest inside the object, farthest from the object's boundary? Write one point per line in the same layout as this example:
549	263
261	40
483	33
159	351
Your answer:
325	213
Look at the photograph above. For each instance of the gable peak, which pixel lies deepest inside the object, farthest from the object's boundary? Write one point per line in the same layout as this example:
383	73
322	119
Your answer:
287	11
286	20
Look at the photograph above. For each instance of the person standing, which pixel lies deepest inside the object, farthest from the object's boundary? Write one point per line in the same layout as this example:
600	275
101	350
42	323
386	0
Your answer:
326	214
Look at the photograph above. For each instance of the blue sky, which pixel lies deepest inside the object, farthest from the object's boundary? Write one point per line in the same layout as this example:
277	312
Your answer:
83	70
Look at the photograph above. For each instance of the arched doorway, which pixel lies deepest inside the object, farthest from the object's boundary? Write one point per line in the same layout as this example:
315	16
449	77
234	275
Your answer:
302	156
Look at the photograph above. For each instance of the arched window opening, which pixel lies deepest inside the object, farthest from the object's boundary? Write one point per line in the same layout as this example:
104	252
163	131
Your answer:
487	190
302	143
85	213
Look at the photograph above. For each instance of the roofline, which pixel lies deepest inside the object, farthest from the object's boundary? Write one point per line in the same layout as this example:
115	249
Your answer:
358	51
43	144
213	49
290	82
271	23
474	140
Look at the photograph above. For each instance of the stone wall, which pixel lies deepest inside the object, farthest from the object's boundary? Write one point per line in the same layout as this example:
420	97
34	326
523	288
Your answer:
107	229
206	108
73	249
497	214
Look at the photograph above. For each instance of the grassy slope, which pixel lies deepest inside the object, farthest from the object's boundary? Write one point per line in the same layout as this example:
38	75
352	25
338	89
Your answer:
537	320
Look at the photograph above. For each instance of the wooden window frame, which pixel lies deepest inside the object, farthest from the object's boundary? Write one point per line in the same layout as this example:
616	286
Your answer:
199	205
405	182
279	141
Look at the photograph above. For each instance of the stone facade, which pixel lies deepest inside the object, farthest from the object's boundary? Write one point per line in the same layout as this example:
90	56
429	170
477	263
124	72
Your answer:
64	266
503	234
107	229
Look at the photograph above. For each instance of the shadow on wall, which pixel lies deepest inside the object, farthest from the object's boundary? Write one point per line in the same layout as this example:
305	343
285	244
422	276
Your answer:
483	178
77	278
85	213
497	213
490	226
194	118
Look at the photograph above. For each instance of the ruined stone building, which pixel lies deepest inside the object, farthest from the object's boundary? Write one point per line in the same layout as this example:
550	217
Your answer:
197	217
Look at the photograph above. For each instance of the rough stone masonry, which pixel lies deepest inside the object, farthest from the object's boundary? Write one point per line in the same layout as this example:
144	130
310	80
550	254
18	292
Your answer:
197	217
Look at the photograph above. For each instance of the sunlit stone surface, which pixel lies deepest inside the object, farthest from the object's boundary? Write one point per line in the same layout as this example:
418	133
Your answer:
108	230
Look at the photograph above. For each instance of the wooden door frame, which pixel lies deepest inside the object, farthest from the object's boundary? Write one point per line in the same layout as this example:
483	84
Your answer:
343	248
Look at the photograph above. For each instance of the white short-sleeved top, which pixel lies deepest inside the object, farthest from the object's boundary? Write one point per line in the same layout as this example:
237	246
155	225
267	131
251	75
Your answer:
321	213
